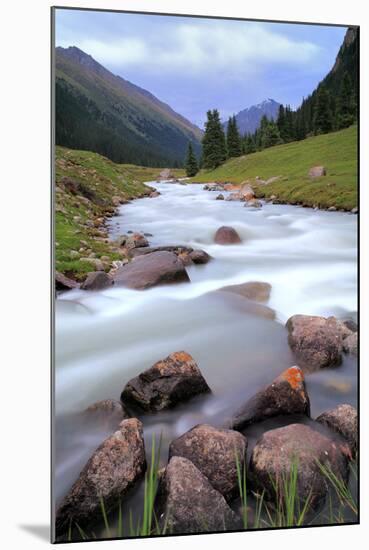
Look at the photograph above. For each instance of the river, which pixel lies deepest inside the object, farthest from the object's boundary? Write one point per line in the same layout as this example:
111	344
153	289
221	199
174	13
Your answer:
105	338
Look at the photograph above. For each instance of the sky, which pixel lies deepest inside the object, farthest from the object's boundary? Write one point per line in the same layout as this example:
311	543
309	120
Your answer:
196	64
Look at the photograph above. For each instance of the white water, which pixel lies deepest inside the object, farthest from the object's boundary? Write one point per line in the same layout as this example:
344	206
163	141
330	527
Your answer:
105	338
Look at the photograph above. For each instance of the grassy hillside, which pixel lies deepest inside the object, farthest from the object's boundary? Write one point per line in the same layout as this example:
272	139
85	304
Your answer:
88	188
336	151
99	111
145	173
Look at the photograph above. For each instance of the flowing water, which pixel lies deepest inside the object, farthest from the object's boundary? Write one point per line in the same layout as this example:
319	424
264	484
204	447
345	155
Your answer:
105	338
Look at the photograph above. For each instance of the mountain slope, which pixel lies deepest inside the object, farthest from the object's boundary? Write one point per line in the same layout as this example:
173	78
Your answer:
336	151
248	120
102	112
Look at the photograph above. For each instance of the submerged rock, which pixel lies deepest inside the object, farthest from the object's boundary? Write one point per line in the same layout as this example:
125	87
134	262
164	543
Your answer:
156	268
213	451
188	503
350	344
227	235
286	395
200	256
297	446
97	280
253	290
254	203
343	420
316	341
108	413
111	471
219	197
168	382
64	283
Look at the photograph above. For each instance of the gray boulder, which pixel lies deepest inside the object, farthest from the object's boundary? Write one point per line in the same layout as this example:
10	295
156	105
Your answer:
97	280
227	235
343	420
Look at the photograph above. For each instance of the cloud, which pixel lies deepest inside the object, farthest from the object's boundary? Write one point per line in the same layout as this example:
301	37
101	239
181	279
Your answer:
200	47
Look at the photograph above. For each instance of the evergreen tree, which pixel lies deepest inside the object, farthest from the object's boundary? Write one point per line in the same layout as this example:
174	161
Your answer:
345	115
234	148
281	123
249	144
214	150
270	134
191	162
322	120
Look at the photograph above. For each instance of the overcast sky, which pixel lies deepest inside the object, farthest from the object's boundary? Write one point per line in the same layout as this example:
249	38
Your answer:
197	64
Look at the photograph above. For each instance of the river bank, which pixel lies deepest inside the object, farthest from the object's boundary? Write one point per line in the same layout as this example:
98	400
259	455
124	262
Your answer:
103	339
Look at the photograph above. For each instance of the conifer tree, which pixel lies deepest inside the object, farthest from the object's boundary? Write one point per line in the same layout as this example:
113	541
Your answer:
214	150
191	162
345	104
322	120
281	123
234	148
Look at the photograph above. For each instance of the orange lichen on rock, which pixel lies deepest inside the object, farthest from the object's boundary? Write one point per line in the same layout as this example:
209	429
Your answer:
294	376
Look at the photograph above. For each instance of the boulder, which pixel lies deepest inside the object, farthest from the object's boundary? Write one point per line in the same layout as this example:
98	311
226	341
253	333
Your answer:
343	420
253	203
187	502
256	291
154	194
317	172
168	382
200	257
350	344
95	262
177	249
157	268
332	209
227	235
247	192
302	447
111	471
64	283
97	280
219	197
136	240
213	451
316	341
286	395
354	210
185	258
108	413
235	196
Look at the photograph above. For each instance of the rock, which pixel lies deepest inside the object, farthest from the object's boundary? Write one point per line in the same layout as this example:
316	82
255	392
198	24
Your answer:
116	200
227	235
165	174
108	413
74	254
254	203
98	264
277	450
97	280
154	194
350	344
233	196
137	240
111	471
200	257
168	382
247	192
317	172
332	209
258	292
273	197
355	210
64	283
316	341
153	269
272	180
286	395
185	258
343	420
219	197
188	503
350	324
177	249
213	451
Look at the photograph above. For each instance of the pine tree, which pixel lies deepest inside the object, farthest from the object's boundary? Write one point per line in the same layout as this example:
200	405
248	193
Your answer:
345	105
191	162
214	150
281	123
322	119
234	148
270	135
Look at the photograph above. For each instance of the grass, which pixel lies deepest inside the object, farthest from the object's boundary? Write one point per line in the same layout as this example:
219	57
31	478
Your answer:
286	509
80	212
336	151
144	173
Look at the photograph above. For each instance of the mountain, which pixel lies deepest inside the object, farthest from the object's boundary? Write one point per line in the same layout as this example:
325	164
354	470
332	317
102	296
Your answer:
98	111
248	120
346	66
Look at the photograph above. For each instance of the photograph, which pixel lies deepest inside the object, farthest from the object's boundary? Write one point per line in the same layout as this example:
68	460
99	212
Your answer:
205	274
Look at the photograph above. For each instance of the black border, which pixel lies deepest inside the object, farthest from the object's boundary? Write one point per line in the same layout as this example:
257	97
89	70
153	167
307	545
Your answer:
52	271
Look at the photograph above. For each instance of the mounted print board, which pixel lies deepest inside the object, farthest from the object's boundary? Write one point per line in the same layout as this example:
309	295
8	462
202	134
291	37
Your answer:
205	258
